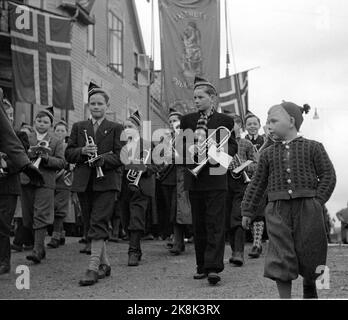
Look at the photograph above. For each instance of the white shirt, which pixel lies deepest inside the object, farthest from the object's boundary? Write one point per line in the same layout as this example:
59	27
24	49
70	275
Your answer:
40	136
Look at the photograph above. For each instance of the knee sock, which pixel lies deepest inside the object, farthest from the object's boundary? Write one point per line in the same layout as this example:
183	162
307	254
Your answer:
257	233
96	251
104	257
57	228
39	239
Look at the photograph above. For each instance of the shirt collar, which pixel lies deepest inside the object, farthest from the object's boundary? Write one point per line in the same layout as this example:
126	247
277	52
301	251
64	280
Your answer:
98	121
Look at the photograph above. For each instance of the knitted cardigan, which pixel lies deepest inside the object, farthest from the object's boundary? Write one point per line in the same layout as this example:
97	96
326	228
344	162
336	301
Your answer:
300	168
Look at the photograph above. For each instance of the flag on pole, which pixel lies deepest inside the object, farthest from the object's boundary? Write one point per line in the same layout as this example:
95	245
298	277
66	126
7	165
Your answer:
234	94
41	57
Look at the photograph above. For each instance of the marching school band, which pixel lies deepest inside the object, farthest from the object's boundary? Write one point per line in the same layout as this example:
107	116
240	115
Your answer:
113	166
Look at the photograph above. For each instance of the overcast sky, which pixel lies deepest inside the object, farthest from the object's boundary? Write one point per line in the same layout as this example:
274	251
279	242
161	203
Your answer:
301	48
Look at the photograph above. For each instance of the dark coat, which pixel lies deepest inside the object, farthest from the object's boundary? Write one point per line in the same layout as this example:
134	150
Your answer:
107	140
10	184
54	163
9	142
205	181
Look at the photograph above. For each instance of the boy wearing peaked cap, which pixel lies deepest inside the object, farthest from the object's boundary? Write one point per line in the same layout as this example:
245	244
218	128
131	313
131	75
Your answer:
96	192
175	197
207	192
136	195
299	178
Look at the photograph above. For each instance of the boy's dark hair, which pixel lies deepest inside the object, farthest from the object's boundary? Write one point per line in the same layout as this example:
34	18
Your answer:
252	116
42	114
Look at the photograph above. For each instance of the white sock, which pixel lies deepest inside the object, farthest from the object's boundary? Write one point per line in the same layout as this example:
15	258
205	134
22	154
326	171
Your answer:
96	252
104	257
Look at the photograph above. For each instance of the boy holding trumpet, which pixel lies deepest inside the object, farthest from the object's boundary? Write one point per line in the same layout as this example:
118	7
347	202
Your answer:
46	151
94	146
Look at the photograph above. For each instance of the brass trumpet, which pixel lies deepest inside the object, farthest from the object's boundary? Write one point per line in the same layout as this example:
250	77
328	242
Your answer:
235	165
202	147
133	176
93	157
41	148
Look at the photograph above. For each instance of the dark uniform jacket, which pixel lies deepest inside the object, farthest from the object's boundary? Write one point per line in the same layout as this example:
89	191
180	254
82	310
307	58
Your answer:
109	145
206	181
9	142
10	184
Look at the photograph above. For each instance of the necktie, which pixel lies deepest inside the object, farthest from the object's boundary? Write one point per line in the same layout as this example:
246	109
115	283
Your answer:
95	127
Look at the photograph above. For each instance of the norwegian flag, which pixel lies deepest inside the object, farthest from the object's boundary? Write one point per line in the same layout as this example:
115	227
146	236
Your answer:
234	94
41	57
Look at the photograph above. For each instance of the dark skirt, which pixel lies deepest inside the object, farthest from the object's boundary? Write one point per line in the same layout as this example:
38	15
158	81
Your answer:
297	239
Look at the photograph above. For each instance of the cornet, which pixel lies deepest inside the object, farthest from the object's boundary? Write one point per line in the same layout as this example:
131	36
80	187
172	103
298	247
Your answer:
133	176
235	165
202	148
41	148
93	157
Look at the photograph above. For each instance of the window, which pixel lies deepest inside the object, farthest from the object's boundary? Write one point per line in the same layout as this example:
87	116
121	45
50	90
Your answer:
136	68
115	43
91	39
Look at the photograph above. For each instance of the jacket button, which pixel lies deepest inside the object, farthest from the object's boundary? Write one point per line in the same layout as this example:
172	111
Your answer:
288	170
290	191
287	147
289	181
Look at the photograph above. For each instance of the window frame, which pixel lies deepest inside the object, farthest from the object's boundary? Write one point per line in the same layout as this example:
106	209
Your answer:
91	28
112	32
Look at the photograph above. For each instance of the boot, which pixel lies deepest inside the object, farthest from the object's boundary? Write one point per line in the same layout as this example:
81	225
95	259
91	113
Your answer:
178	245
39	252
62	238
134	252
55	240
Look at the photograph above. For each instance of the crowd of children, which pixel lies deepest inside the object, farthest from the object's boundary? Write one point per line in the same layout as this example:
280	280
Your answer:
281	192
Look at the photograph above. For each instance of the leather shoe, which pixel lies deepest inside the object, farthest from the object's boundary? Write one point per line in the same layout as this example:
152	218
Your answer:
177	249
104	271
199	276
36	257
213	278
90	278
4	269
53	244
62	241
237	259
255	252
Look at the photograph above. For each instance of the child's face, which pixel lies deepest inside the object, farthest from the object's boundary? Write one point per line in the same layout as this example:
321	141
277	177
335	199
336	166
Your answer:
131	130
61	132
252	125
97	106
174	122
42	124
203	101
279	123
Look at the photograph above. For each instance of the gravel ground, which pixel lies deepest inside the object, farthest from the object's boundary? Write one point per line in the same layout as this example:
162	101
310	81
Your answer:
160	276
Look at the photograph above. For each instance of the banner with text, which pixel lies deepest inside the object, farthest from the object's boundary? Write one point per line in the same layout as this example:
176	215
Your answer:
190	46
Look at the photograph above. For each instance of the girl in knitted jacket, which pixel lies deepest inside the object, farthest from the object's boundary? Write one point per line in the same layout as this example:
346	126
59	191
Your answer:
299	178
